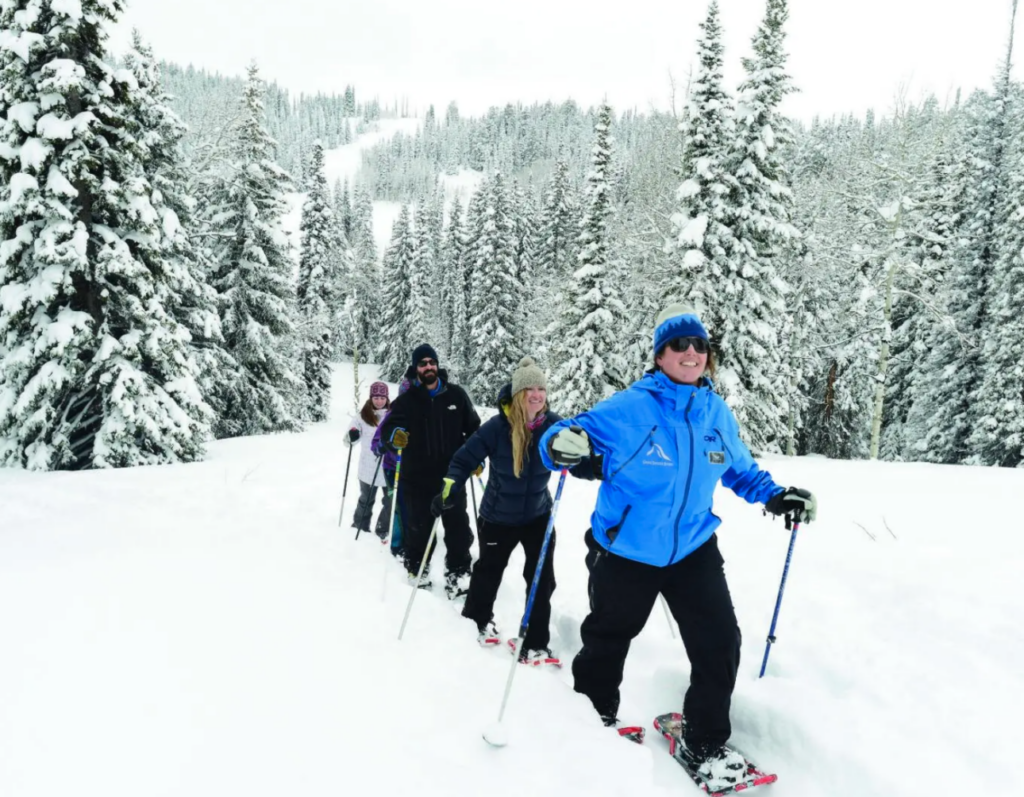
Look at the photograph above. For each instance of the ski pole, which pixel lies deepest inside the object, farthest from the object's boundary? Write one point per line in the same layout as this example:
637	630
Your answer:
778	600
483	484
419	575
344	490
476	512
372	481
391	527
494	735
668	616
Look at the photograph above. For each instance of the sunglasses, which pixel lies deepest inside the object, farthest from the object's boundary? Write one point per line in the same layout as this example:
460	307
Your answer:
425	363
678	345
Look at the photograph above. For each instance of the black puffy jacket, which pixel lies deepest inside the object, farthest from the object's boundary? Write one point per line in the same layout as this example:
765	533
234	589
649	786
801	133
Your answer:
509	500
437	426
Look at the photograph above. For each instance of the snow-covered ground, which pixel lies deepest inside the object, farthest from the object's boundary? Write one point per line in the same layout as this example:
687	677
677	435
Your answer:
209	630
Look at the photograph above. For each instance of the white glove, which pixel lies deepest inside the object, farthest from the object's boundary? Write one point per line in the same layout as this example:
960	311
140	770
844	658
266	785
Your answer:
568	447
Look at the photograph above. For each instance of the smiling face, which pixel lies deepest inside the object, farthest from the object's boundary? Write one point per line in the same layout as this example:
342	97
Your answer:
536	398
682	367
426	371
379	402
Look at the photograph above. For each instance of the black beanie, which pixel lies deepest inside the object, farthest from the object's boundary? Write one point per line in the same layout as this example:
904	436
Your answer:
423	350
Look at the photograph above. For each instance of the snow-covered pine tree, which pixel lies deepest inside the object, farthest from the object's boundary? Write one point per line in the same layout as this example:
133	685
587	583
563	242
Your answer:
524	232
423	296
496	299
95	371
917	319
705	244
557	241
253	276
753	371
396	294
997	436
321	254
586	347
451	285
362	294
946	408
191	300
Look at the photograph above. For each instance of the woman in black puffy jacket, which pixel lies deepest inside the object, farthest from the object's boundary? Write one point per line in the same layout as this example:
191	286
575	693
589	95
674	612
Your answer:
515	508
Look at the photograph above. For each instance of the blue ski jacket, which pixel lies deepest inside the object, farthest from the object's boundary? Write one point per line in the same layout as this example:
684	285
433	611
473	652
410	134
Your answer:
665	447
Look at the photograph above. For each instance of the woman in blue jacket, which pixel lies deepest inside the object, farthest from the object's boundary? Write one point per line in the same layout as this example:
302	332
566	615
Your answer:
515	508
666	441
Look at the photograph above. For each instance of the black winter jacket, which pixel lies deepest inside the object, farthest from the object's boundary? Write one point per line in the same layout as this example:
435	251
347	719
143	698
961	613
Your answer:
437	426
509	500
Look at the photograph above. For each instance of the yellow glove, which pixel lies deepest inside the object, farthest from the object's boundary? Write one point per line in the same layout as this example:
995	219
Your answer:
479	470
399	439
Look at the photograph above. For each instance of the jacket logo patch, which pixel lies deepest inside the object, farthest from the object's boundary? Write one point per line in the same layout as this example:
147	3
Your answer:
452	407
710	438
656	456
716	457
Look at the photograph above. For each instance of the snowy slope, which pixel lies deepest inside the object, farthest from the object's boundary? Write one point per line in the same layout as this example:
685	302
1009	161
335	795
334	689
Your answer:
209	630
343	163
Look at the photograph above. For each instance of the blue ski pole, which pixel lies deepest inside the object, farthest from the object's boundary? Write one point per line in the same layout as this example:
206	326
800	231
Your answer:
778	600
495	735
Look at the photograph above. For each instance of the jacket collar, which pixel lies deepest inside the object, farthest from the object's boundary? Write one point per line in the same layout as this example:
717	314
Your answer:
674	395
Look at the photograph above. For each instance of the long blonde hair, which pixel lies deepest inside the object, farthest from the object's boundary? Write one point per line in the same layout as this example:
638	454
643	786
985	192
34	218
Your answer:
520	433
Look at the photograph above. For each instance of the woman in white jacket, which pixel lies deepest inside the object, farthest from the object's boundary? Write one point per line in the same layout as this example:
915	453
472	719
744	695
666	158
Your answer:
371	477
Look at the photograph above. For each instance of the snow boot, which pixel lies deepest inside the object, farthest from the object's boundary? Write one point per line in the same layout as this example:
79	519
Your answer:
489	635
456	585
721	766
425	584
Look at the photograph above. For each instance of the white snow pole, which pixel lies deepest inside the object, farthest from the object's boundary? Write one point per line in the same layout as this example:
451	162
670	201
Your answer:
419	575
495	734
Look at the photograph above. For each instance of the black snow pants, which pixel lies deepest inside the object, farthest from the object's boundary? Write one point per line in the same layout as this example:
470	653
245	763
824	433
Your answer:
622	594
458	536
497	542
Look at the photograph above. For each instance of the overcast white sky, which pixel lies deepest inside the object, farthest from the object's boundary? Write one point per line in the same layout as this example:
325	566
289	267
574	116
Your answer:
844	57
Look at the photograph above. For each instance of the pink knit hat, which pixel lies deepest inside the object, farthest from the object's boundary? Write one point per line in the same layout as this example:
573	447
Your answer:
378	389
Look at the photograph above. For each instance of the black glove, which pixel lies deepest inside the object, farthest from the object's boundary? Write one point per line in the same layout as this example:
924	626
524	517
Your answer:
795	503
353	435
569	447
440	502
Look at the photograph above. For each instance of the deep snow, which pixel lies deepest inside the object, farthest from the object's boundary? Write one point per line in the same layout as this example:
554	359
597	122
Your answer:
209	630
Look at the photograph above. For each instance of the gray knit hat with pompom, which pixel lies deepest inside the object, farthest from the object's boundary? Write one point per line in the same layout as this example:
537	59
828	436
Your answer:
528	374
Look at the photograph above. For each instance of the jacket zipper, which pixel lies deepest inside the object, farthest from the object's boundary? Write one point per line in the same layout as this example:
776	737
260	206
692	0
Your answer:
648	439
689	479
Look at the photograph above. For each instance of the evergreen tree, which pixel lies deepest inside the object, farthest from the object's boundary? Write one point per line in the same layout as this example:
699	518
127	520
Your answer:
423	302
191	300
752	372
362	276
253	277
396	297
997	436
451	284
95	370
586	343
705	243
319	259
946	409
496	297
558	231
